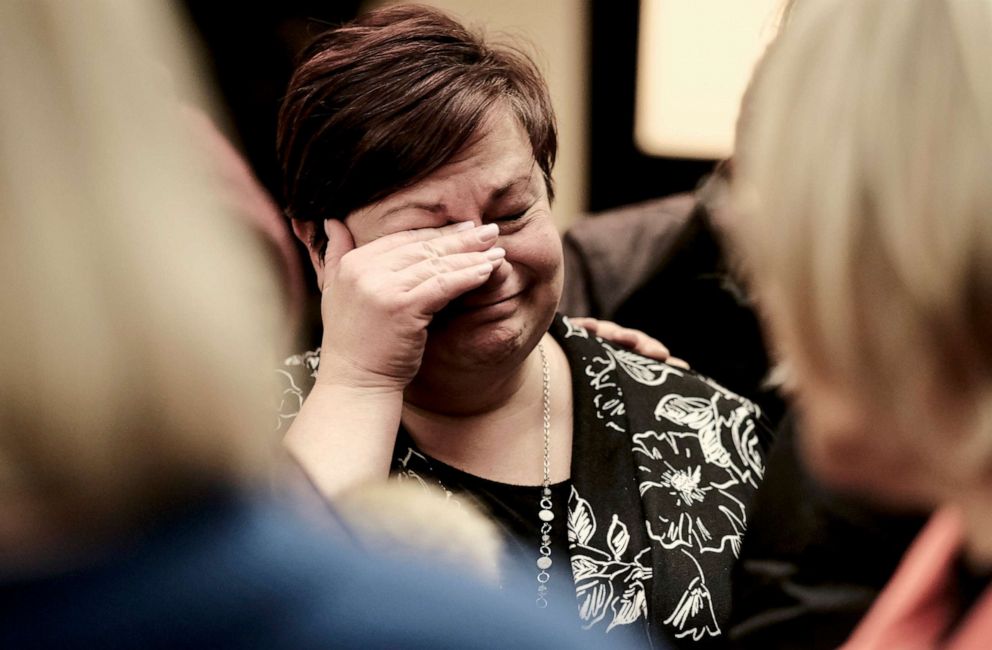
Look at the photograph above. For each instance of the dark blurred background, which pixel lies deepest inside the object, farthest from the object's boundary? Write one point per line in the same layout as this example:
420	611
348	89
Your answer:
252	46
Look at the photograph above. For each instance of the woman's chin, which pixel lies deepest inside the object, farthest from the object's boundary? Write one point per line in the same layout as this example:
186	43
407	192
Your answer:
488	344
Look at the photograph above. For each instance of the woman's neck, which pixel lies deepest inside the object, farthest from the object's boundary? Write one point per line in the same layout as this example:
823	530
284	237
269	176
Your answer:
490	423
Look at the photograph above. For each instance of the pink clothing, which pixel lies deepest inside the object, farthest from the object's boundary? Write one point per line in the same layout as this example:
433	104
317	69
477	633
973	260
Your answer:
917	606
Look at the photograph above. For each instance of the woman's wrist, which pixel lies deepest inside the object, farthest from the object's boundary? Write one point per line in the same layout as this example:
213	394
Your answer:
345	434
349	390
346	376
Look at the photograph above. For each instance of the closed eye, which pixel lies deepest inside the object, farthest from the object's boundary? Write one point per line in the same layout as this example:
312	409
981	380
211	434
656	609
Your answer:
511	217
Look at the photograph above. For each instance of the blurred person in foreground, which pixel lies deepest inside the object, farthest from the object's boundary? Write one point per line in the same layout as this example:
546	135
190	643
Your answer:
139	324
864	219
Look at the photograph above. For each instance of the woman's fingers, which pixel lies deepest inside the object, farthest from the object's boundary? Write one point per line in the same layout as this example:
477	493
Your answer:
435	293
423	271
462	231
465	241
400	261
634	340
651	347
608	331
585	322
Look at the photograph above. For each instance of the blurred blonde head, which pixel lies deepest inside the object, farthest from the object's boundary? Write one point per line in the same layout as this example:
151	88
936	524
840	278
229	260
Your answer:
136	317
410	521
864	205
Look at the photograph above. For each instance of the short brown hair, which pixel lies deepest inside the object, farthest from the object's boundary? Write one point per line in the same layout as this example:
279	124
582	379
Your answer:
380	103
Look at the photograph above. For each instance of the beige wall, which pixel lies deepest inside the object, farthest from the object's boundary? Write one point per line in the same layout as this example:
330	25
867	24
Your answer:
557	31
694	61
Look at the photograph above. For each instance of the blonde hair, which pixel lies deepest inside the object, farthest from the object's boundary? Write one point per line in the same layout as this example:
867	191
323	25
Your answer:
137	316
864	195
412	521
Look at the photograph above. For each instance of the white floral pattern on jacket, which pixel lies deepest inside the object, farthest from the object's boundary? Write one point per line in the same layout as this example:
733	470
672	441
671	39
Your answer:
696	460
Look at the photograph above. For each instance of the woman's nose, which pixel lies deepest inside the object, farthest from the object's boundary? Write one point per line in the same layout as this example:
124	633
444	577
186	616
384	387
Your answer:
499	275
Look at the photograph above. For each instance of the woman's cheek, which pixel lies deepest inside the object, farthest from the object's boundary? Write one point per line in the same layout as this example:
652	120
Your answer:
538	245
553	257
548	261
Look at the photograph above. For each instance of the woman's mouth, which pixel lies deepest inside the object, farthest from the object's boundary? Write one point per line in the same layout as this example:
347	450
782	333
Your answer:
495	305
481	302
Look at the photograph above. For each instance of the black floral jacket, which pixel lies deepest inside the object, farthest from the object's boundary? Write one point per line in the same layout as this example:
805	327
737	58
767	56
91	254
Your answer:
665	464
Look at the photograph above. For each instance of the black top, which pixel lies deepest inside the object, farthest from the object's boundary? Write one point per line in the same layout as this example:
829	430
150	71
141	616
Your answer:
514	509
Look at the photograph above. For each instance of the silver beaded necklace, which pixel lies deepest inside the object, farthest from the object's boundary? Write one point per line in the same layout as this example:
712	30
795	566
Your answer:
546	514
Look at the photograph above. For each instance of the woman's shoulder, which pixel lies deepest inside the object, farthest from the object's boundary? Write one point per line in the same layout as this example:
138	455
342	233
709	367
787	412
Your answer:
605	365
621	390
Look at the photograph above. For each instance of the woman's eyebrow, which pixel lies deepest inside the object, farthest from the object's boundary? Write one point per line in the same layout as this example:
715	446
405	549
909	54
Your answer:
440	208
504	189
436	208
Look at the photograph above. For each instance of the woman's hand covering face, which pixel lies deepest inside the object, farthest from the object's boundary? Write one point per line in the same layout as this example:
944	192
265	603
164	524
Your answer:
378	299
409	270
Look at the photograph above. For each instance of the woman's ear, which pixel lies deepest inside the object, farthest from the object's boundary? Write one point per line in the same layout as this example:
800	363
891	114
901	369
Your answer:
304	231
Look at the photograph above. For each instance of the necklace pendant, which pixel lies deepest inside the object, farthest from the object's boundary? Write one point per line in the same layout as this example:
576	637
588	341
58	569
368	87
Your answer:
542	588
544	561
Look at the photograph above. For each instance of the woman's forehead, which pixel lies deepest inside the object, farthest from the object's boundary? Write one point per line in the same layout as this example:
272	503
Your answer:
500	156
487	177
